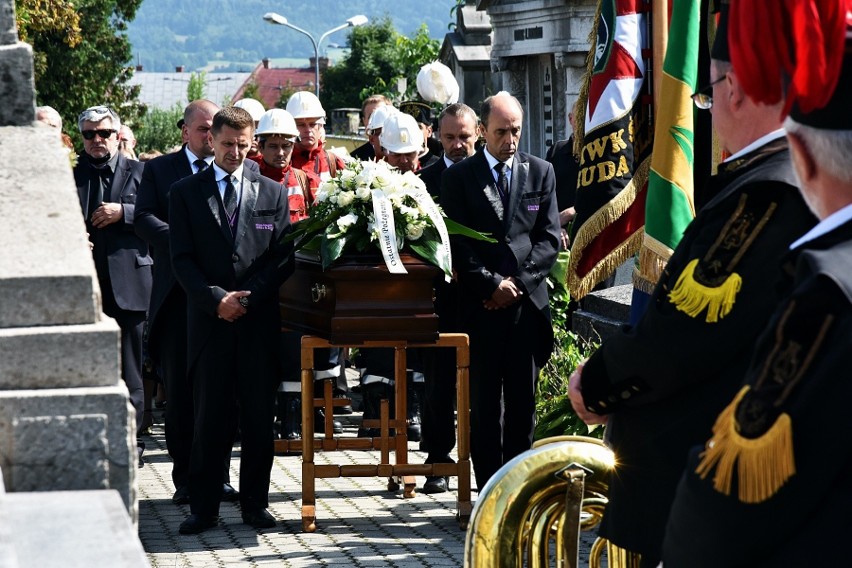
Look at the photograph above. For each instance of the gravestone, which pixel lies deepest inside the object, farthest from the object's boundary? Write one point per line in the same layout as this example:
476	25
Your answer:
65	419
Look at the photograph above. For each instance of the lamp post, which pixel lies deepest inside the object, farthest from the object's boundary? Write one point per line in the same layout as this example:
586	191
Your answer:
280	20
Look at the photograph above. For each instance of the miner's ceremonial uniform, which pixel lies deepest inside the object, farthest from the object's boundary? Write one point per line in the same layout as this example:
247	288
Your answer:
774	487
666	379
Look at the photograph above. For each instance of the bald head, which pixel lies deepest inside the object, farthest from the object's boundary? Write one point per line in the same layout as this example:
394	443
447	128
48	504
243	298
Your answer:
502	118
197	121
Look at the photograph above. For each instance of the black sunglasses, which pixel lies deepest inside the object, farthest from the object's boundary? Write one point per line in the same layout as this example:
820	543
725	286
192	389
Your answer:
103	133
702	97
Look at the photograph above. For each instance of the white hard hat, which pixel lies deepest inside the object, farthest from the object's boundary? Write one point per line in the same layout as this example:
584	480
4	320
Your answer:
379	116
304	104
401	134
251	106
277	121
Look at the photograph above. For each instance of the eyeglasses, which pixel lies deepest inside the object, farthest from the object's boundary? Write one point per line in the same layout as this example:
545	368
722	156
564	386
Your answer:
702	97
103	133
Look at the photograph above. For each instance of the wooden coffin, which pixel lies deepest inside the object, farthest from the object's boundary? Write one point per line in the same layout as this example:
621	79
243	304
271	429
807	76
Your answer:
358	300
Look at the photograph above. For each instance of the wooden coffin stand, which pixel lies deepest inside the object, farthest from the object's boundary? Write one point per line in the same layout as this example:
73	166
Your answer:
357	302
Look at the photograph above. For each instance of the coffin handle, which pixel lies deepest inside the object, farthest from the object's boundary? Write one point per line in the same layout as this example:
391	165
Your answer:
318	292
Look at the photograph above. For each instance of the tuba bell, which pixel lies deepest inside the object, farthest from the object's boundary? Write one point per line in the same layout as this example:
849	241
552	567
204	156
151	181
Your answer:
531	512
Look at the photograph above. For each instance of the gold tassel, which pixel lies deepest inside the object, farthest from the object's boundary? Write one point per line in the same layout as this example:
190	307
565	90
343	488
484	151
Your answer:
692	297
763	464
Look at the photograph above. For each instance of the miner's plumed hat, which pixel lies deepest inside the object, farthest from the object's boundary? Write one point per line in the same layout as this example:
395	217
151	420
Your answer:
795	51
836	114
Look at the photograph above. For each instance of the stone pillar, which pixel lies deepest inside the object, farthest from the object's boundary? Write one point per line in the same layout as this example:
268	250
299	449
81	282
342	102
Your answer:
65	419
17	89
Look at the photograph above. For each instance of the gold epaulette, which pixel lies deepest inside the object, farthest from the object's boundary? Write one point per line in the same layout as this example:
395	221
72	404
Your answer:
763	464
710	282
692	297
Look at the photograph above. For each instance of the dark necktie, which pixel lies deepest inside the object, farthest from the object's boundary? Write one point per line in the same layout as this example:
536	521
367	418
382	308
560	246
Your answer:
502	183
200	165
230	200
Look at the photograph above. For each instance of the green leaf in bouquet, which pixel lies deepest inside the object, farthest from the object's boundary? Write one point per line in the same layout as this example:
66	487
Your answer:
430	249
331	249
454	228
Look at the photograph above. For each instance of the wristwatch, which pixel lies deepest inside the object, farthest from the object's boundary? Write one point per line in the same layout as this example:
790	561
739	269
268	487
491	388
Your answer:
244	301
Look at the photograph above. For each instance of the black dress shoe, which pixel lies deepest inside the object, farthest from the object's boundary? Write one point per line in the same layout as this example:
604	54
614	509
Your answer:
195	524
181	496
436	485
319	423
230	494
259	518
342	409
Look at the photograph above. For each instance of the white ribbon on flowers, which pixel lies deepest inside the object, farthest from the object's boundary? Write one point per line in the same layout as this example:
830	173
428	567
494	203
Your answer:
383	214
427	204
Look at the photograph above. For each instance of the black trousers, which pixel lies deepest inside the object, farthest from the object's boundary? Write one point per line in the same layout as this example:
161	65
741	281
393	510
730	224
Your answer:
238	363
169	352
503	374
131	324
439	373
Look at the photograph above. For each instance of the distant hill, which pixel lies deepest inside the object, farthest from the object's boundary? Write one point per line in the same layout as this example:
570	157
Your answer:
168	33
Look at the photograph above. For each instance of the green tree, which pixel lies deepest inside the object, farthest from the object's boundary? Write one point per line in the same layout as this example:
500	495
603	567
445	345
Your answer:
157	129
81	55
378	57
252	91
195	89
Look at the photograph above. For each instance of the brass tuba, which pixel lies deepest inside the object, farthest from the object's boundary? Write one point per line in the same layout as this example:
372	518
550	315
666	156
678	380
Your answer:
538	503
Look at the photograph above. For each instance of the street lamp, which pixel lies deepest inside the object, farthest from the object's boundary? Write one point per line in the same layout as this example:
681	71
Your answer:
274	18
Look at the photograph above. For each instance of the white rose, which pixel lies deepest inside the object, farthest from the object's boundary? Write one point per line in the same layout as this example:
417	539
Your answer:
346	220
345	198
363	193
381	180
414	231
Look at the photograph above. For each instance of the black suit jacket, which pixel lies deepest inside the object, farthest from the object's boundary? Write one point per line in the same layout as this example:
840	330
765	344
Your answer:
152	221
527	233
128	262
209	261
431	176
152	224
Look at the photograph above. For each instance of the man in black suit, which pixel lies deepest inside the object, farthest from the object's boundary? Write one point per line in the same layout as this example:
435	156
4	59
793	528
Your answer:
225	226
106	184
457	133
166	332
504	301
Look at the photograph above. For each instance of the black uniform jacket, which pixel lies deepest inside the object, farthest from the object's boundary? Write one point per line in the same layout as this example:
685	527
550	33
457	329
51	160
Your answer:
666	379
209	261
800	375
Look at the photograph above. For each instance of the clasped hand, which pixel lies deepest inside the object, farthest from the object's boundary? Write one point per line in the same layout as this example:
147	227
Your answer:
229	308
106	214
506	294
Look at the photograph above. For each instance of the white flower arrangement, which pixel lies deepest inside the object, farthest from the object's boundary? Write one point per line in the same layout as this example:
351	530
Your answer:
371	205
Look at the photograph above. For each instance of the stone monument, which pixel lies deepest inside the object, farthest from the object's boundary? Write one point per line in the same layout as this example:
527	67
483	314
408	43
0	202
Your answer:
65	420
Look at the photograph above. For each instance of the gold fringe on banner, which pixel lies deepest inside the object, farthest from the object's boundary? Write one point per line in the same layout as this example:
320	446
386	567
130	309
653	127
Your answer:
583	96
599	221
692	297
763	464
653	258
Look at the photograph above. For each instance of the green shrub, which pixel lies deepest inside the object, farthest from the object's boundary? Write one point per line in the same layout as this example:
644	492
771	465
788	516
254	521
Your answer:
555	417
